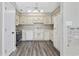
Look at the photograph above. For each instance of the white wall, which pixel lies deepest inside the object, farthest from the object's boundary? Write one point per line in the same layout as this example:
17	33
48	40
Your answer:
0	28
70	19
57	32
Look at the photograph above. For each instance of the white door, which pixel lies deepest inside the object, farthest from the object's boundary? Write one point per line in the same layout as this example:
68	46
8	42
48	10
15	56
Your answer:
0	28
9	28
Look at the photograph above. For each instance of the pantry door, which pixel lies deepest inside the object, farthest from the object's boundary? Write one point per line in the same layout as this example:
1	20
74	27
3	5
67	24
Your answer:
9	29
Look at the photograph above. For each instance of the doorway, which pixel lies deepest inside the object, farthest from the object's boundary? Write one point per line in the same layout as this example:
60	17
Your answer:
35	30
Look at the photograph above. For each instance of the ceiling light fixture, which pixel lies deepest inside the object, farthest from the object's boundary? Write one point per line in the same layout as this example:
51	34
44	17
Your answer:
29	11
41	10
36	9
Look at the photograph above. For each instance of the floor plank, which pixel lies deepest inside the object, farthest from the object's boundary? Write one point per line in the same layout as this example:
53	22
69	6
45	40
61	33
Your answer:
35	48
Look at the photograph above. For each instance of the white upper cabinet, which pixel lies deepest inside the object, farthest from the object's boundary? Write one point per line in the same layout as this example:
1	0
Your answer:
22	20
47	19
29	20
17	19
32	19
37	19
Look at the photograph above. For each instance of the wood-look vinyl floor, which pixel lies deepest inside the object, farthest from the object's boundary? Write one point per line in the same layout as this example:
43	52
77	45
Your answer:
35	48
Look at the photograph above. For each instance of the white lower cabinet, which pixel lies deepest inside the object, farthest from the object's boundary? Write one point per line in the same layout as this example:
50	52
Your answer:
27	35
46	35
36	34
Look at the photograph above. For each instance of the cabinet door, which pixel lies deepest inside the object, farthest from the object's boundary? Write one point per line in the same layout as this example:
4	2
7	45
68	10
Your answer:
29	20
47	20
29	35
51	34
17	19
36	20
23	35
22	20
38	34
52	20
46	35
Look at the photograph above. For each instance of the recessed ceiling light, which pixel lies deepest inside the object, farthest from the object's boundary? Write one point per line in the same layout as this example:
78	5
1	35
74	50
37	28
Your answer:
41	10
21	10
29	11
35	11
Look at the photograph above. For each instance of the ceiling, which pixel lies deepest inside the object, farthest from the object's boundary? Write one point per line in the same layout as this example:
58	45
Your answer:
48	7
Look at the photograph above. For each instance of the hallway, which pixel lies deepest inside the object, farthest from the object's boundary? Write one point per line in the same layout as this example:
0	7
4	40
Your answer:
35	48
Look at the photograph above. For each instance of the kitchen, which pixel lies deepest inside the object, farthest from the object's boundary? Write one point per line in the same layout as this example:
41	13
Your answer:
37	25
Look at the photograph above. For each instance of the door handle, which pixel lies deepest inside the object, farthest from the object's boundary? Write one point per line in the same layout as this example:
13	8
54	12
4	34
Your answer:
13	32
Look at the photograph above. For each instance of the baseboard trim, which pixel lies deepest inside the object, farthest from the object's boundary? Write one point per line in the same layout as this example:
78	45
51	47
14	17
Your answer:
11	52
33	40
